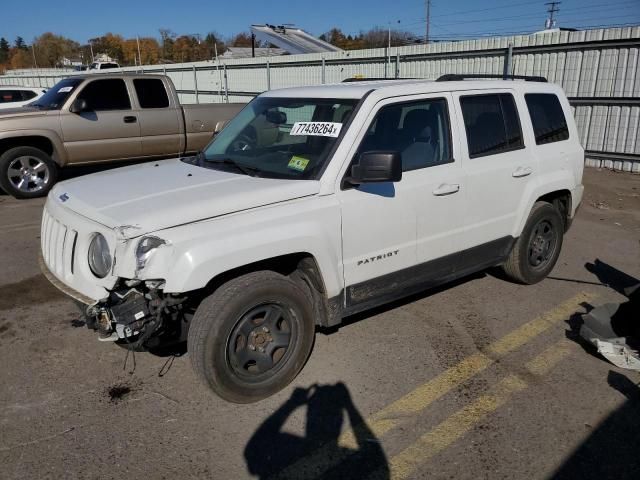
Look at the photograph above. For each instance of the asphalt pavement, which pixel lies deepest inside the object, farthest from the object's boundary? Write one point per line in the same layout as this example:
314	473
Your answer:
479	379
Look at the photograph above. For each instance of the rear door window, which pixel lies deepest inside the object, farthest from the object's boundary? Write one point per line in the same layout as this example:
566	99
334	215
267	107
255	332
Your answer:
492	124
547	118
104	95
28	94
151	93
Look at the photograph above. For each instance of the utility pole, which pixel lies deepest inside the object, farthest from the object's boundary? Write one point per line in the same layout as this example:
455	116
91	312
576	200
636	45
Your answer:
427	5
33	51
553	9
388	64
139	56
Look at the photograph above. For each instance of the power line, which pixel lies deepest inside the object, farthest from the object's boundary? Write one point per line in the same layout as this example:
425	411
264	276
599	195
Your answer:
607	6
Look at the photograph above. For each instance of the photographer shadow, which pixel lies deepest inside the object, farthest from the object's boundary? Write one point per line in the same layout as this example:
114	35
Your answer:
271	450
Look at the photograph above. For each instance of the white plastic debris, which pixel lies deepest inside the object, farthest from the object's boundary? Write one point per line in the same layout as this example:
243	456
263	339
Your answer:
618	352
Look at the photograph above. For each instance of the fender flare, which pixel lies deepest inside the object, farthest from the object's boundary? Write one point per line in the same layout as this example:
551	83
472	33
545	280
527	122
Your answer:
59	153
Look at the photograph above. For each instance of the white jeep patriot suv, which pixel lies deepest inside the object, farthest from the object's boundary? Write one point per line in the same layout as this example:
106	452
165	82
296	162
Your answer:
312	204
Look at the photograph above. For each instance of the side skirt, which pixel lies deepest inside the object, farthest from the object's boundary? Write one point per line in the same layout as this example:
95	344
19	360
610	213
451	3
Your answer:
400	284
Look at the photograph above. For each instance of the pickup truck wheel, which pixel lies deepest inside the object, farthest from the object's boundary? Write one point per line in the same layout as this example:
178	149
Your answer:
252	336
536	251
27	172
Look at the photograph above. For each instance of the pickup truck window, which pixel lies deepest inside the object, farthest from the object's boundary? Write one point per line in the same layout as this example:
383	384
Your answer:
280	137
151	93
419	131
57	95
492	124
108	94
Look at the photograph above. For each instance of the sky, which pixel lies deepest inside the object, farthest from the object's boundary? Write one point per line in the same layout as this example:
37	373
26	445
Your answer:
81	20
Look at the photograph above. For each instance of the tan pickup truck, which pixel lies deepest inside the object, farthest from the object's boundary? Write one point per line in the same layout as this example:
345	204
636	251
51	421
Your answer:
100	118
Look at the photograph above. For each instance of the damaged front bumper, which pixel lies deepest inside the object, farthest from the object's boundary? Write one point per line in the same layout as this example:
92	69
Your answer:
136	314
61	286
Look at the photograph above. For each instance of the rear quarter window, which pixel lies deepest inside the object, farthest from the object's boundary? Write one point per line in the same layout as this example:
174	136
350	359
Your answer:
151	93
547	118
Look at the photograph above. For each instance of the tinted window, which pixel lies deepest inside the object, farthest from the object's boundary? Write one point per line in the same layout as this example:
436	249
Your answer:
102	95
108	65
491	123
419	131
28	94
547	117
151	93
8	96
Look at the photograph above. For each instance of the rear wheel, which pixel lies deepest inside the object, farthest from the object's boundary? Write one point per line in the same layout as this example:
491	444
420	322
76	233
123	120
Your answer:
27	172
536	251
252	336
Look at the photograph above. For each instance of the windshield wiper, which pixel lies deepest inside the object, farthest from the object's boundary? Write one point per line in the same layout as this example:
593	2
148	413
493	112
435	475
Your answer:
245	169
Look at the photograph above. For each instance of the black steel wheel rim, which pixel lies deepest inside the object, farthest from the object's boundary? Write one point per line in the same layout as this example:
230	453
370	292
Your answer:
261	342
542	244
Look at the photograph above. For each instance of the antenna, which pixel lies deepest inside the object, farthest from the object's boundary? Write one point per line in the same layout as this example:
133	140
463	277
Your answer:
551	22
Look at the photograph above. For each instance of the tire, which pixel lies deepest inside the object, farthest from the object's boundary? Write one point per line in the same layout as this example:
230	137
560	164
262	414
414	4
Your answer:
27	172
537	249
237	336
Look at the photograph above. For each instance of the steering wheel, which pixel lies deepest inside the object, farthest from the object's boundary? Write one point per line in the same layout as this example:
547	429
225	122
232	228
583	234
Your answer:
247	140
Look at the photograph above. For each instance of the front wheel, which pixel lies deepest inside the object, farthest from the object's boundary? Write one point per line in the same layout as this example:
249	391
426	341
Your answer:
27	172
537	249
252	336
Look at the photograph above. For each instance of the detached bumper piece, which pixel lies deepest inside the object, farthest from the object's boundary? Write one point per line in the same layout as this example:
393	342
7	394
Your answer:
615	330
135	316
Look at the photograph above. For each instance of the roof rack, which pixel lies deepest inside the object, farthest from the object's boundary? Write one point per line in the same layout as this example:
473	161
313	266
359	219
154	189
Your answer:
372	79
452	77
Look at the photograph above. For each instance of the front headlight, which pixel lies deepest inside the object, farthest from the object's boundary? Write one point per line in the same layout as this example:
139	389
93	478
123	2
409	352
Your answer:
145	249
100	260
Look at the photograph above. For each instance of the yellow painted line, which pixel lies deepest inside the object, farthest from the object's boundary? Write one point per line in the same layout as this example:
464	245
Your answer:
417	400
458	424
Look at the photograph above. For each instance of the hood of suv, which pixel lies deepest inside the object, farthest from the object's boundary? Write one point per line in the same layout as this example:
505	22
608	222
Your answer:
153	196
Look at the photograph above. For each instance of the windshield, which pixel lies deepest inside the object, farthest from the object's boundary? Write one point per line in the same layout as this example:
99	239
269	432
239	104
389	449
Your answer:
57	95
280	137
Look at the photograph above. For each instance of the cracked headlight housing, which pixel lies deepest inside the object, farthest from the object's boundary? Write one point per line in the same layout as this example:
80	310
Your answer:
99	257
145	249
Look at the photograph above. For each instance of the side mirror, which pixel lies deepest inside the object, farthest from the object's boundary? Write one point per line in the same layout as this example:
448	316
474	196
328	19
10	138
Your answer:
79	105
377	166
276	116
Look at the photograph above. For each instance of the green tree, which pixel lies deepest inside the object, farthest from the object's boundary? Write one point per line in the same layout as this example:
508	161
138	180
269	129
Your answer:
19	43
4	50
167	41
214	40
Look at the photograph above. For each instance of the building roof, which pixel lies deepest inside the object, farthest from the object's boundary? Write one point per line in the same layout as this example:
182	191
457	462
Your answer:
245	52
292	39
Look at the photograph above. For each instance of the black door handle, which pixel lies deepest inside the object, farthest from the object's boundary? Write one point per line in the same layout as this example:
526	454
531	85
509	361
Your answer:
130	119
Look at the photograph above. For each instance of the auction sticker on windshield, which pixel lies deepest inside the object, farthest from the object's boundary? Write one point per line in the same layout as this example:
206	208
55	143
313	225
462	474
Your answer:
318	129
298	163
